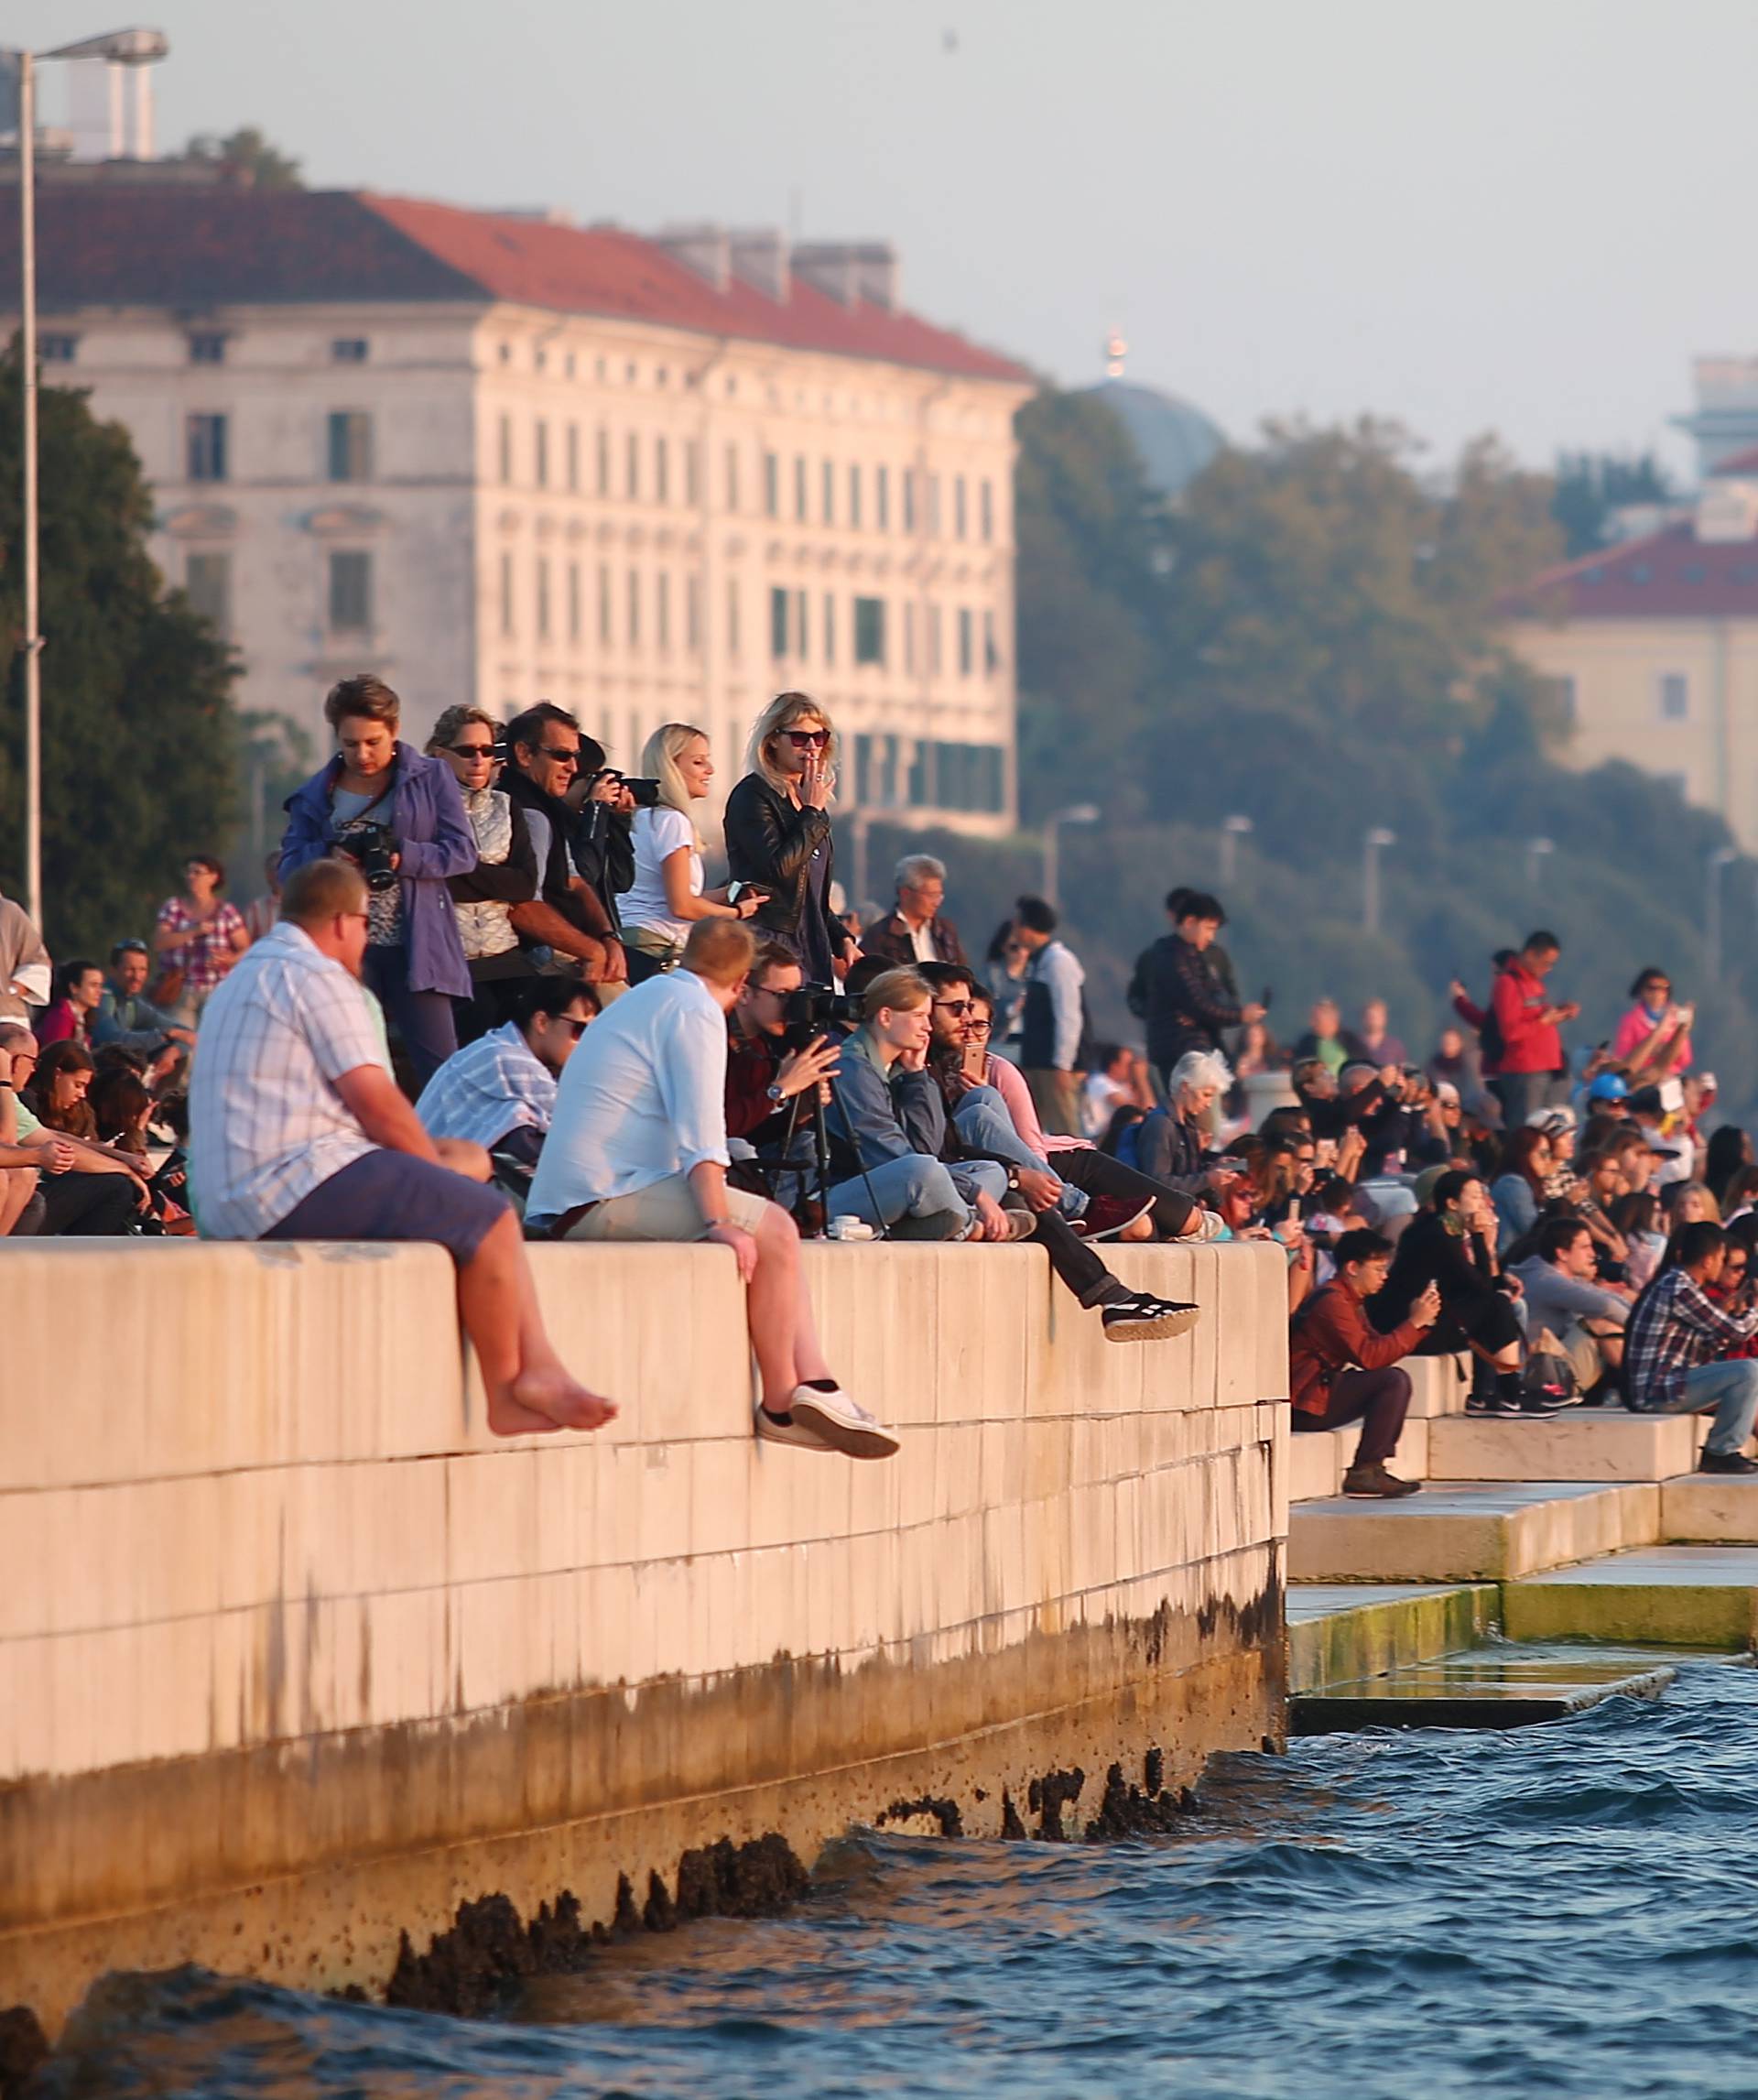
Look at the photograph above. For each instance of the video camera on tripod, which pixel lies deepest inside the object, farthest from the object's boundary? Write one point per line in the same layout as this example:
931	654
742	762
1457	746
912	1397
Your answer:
814	1007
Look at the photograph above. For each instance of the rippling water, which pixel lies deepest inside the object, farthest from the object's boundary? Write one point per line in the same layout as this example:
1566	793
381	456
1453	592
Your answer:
1569	1911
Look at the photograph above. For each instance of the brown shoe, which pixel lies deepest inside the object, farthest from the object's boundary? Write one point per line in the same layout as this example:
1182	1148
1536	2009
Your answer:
1375	1481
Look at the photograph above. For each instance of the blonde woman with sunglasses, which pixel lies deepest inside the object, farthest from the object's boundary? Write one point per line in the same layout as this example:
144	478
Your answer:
667	897
778	833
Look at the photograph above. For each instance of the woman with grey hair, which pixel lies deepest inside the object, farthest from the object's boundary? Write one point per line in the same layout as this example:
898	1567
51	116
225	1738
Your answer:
915	931
1172	1143
778	833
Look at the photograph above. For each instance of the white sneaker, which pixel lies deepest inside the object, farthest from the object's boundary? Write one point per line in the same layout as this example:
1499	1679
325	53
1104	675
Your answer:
842	1424
769	1431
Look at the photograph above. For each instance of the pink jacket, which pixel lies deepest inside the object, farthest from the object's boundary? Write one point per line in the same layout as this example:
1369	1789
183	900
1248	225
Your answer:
1009	1081
1635	1028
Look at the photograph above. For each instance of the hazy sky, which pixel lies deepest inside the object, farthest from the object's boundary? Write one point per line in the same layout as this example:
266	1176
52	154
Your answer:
1519	216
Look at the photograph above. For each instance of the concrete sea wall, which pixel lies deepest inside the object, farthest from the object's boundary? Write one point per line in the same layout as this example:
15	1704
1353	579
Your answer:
295	1656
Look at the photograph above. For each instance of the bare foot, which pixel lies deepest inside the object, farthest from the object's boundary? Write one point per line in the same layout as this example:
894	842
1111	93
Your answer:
508	1418
563	1402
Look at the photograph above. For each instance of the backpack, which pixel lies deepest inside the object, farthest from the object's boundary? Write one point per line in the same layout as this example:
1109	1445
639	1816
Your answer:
1489	1036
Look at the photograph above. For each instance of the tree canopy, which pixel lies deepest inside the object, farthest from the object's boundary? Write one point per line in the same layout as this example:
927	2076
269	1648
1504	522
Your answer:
140	740
248	155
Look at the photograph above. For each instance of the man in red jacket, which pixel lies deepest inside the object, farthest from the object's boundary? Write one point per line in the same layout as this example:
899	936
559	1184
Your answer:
1529	1058
1342	1370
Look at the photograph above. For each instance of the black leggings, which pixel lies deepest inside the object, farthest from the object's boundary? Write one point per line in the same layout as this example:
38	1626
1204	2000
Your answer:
1488	1320
1100	1175
1379	1400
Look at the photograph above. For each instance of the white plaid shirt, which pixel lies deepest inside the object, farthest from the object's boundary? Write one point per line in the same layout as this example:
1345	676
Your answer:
489	1089
267	1123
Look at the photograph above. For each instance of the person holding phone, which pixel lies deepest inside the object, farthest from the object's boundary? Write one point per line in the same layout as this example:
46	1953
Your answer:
1341	1371
667	897
778	834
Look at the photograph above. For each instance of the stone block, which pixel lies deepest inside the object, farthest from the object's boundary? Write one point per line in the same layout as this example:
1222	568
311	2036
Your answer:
1586	1443
1677	1596
1709	1508
1477	1532
1438	1384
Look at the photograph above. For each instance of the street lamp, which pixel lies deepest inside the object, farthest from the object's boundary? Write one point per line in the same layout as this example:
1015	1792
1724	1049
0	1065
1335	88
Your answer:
122	48
1078	813
1372	843
1536	850
1233	829
1724	856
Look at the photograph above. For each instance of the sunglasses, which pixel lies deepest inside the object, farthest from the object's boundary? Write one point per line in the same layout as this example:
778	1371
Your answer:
952	1006
561	757
573	1024
474	750
808	739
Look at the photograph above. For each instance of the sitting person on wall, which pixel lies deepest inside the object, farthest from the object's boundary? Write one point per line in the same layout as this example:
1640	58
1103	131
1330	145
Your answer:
1560	1280
299	1131
1171	1144
125	1015
1342	1370
1677	1349
637	1152
52	1184
499	1092
915	931
79	989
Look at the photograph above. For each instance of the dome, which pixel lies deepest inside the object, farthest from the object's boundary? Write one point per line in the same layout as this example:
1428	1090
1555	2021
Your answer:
1174	442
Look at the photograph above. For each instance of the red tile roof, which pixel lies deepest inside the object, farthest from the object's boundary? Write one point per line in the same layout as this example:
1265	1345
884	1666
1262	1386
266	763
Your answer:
1744	463
1670	575
190	248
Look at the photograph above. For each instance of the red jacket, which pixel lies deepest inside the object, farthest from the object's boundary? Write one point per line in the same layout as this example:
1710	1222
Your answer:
1332	1333
1528	1044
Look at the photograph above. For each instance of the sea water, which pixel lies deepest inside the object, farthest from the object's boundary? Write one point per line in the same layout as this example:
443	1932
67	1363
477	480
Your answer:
1568	1911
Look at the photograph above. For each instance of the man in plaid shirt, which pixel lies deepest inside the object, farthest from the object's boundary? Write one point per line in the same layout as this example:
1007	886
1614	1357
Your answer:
1677	1343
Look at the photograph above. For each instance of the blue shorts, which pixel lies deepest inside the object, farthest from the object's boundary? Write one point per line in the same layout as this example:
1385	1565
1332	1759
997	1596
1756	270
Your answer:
394	1196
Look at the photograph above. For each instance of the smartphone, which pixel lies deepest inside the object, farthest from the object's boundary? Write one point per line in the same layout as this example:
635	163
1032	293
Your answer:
734	890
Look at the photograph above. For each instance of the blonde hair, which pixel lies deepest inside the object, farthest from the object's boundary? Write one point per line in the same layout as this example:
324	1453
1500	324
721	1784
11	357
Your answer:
784	712
721	950
446	729
902	990
659	758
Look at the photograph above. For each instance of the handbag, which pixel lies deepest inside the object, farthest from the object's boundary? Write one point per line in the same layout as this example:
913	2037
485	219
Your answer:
167	988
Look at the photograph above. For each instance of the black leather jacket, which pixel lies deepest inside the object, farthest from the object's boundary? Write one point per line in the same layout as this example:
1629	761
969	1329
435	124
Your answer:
770	842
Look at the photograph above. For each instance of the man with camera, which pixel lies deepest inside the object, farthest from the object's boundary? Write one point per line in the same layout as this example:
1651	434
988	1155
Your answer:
577	813
777	1053
637	1152
298	1131
500	1091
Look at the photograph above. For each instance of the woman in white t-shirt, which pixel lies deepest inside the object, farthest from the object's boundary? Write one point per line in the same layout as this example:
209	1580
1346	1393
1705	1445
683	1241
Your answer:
666	895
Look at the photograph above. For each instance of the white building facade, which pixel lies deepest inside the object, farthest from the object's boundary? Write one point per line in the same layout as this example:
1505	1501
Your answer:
502	460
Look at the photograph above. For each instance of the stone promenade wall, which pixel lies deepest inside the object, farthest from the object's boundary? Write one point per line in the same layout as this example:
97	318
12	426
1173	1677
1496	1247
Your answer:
295	1656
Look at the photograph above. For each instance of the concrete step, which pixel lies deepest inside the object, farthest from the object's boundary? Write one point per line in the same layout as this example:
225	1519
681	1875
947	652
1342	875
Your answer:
1462	1532
1676	1596
1318	1458
1438	1384
1585	1443
1496	1687
1709	1508
1340	1631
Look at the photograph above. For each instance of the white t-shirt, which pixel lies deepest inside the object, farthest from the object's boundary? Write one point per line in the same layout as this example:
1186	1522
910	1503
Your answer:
658	833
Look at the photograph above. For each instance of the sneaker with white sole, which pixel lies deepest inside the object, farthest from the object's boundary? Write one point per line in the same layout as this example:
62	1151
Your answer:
842	1423
770	1430
1143	1318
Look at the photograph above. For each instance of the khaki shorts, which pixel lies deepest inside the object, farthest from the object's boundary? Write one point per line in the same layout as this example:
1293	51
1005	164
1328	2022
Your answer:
664	1210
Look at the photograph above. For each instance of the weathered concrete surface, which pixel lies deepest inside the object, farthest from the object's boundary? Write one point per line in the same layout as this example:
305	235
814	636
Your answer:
1673	1597
1711	1508
294	1657
1468	1532
1586	1443
1338	1632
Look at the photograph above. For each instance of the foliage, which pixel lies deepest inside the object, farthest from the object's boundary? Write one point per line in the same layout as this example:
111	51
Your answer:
140	741
1590	486
249	155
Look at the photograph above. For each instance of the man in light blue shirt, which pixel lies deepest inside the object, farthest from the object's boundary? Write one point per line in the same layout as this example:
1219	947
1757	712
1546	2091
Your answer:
637	1152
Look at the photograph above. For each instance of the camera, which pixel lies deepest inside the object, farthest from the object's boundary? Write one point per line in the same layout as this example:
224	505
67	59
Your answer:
373	847
814	1007
646	792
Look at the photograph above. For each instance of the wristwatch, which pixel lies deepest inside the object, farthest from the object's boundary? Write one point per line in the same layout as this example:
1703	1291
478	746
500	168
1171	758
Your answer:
775	1094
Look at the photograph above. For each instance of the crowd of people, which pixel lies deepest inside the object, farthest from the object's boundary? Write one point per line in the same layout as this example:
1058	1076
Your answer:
490	997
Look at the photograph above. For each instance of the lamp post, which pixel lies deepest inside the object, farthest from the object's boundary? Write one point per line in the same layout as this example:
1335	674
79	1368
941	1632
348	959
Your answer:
1233	829
1077	813
1537	850
1372	843
123	47
1724	856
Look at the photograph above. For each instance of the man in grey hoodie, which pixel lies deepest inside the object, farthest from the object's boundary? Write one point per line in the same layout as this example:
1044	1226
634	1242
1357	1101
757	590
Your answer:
1563	1293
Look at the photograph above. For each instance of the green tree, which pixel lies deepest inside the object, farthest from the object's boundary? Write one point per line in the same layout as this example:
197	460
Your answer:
140	740
1590	486
249	155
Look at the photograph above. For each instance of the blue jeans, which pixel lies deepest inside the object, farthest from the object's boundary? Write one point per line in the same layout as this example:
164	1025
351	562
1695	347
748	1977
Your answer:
1731	1389
982	1121
914	1186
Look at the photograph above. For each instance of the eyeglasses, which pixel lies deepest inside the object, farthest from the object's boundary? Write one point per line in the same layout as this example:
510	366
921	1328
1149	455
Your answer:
952	1006
978	1028
805	739
474	750
561	757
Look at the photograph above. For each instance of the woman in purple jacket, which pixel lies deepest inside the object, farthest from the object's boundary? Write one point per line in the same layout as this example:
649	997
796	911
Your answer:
400	816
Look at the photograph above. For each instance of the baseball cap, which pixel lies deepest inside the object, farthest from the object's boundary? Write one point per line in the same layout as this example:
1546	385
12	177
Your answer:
1553	1122
1608	1086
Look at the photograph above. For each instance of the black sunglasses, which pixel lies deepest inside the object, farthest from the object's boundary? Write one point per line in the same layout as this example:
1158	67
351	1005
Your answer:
574	1022
472	750
952	1006
561	758
804	739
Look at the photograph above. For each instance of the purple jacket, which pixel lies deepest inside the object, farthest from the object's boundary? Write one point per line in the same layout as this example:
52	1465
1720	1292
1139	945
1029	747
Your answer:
426	811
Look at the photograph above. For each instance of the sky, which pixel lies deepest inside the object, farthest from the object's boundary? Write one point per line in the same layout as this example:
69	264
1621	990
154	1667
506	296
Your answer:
1517	216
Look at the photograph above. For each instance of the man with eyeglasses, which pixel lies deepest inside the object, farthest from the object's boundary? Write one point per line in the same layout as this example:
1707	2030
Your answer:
500	1091
578	821
298	1131
917	931
766	1079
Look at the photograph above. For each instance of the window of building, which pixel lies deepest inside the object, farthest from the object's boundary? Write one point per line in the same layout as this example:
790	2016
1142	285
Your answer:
986	509
351	445
692	472
603	462
604	618
207	578
348	350
881	498
692	612
540	455
733	619
661	471
543	598
909	499
933	506
933	641
573	458
876	771
990	654
909	639
829	493
967	642
574	613
1675	696
869	630
506	593
732	477
777	621
958	506
350	593
771	486
662	609
830	628
854	496
631	475
800	636
917	786
205	447
799	490
965	777
57	349
634	607
507	450
207	346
